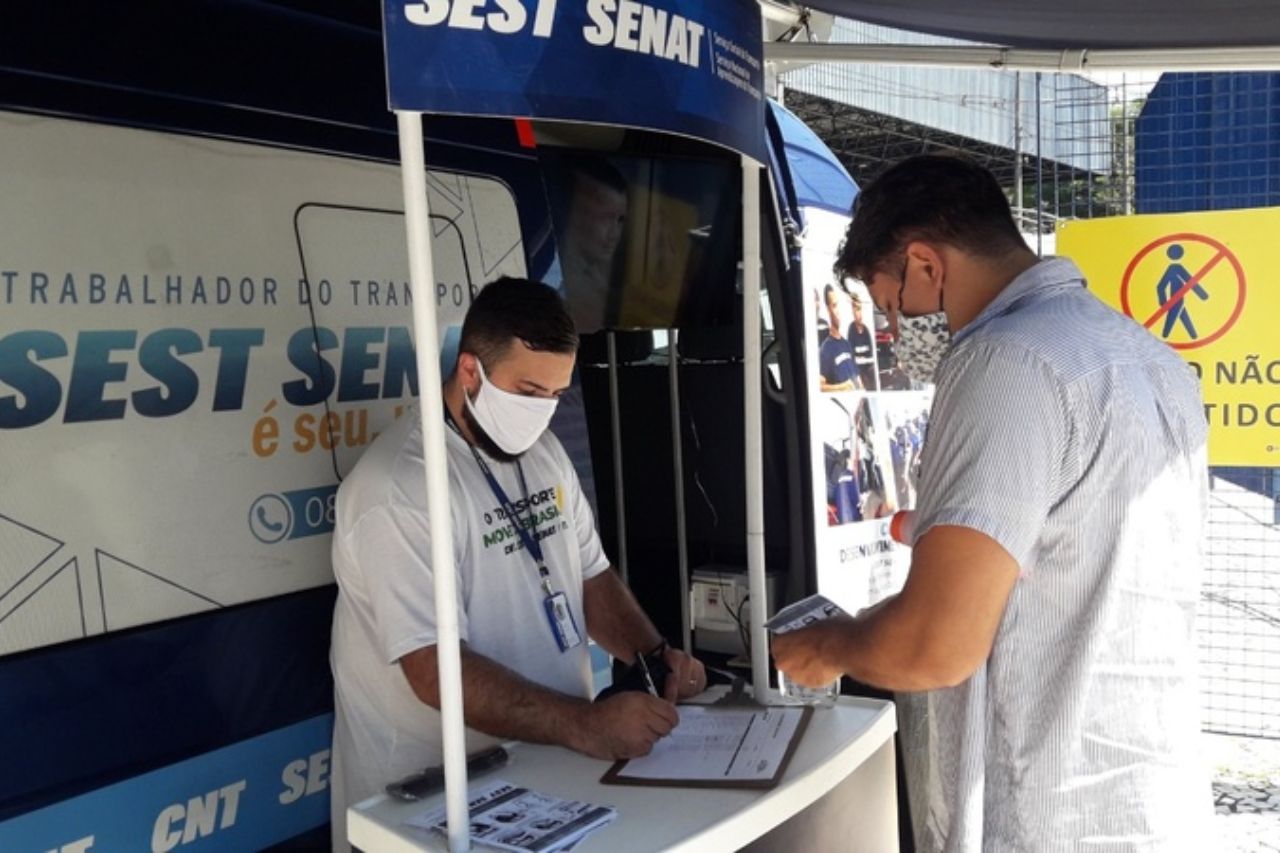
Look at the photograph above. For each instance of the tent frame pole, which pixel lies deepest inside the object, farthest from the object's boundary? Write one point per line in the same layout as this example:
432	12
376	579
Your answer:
677	473
615	433
753	427
417	220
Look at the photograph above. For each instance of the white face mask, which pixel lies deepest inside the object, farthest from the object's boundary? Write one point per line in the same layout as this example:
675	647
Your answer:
922	342
513	421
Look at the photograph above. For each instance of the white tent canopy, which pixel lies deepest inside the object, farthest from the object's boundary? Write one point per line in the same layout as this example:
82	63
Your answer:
1080	24
1239	35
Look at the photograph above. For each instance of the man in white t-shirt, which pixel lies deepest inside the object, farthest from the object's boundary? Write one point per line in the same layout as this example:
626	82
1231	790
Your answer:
533	580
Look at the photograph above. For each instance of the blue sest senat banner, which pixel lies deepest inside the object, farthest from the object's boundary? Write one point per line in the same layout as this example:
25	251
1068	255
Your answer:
683	66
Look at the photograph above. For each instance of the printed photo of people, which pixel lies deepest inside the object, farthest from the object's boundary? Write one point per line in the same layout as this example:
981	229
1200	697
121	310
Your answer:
905	419
846	340
855	476
891	375
880	502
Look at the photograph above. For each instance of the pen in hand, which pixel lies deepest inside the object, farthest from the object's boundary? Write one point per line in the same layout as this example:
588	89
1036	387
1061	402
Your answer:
648	679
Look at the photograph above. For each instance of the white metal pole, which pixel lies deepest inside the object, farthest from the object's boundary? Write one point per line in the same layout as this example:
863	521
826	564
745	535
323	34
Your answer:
615	427
1039	174
413	175
753	426
677	466
1017	148
1125	172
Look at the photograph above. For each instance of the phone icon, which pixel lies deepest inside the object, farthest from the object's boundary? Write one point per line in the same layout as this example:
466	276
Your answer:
273	526
270	518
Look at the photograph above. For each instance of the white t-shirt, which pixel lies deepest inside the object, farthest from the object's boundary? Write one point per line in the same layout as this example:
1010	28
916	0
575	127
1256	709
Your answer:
386	601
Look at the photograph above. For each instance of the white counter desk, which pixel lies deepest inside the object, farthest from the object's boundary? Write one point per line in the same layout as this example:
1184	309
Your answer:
838	793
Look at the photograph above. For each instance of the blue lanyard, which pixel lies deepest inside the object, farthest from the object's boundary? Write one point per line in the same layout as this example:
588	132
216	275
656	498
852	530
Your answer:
531	542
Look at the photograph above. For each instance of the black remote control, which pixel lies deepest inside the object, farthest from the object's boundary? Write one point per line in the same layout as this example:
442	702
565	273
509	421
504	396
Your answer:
429	781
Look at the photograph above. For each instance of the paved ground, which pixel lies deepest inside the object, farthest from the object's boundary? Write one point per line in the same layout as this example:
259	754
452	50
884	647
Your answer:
1246	791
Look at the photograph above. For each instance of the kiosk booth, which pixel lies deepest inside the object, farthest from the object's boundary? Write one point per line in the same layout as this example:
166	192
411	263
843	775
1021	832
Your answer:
656	73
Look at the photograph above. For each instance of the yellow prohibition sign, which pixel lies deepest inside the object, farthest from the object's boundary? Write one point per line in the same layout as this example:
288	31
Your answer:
1187	288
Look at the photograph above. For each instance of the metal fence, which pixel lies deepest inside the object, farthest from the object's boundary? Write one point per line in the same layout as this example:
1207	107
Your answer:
1239	618
1163	143
1186	142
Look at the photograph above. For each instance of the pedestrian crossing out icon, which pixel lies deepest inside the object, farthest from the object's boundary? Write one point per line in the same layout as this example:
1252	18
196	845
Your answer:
1171	293
1188	289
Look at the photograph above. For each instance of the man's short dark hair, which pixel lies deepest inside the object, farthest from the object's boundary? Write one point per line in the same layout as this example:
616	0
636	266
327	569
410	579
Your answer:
932	197
601	170
512	308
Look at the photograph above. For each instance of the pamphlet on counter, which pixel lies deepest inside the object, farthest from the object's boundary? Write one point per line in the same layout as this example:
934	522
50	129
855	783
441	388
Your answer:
802	614
507	817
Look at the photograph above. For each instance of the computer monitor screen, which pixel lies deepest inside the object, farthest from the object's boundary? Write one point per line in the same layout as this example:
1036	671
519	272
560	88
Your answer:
644	242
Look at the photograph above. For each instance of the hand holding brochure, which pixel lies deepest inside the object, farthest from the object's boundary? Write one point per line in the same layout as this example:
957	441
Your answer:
506	817
802	614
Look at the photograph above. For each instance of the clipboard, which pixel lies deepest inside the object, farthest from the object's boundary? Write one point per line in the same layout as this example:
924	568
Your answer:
722	764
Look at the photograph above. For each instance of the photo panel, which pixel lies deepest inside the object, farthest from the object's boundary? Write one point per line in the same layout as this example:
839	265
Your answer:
846	338
905	422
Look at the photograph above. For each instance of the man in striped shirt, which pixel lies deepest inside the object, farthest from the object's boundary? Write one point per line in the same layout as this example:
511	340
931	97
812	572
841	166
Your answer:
1044	638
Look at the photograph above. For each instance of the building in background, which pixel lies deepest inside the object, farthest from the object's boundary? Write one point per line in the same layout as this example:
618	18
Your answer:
1029	129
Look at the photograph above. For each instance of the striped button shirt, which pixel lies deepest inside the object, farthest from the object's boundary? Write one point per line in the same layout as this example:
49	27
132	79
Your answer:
1076	440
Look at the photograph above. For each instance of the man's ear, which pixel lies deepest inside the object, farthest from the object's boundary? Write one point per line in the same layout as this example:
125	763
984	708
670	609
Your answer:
468	372
927	261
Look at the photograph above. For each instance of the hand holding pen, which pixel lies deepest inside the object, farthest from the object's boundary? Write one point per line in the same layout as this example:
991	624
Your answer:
648	677
625	725
685	675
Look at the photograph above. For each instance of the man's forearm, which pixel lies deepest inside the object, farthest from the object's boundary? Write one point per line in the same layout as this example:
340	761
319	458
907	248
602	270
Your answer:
876	649
615	619
935	633
885	646
942	626
500	702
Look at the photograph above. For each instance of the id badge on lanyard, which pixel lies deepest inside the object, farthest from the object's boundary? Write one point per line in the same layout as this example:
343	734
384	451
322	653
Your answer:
560	617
